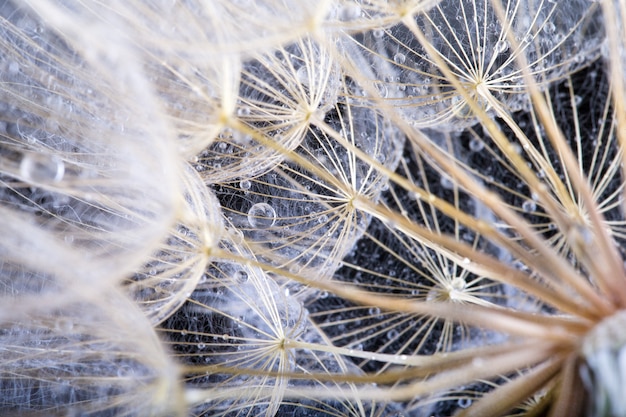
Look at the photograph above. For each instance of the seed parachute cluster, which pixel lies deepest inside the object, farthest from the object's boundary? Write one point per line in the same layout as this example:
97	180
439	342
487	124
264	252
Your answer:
339	208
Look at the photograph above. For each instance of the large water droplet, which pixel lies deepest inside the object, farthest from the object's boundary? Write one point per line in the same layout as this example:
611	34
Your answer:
261	216
350	12
501	46
42	168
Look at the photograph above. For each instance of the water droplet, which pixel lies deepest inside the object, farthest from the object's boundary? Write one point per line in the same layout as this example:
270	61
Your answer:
125	371
458	284
42	168
350	12
464	402
378	33
374	311
302	75
261	216
245	184
64	325
478	362
446	183
13	67
501	46
241	277
243	111
529	206
549	28
399	58
476	145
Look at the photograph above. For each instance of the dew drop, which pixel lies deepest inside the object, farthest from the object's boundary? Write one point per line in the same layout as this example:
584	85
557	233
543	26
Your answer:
261	216
476	145
392	334
13	67
245	184
464	402
446	183
374	311
125	371
529	206
243	111
501	46
549	28
350	12
378	33
241	277
399	58
64	325
42	168
458	284
302	75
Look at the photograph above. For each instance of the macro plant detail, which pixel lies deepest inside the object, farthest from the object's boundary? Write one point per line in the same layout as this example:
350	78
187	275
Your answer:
340	208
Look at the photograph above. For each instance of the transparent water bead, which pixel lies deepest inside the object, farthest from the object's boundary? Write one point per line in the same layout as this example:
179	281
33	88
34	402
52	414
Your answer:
529	206
464	402
245	184
350	12
399	58
261	216
42	168
476	145
501	46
